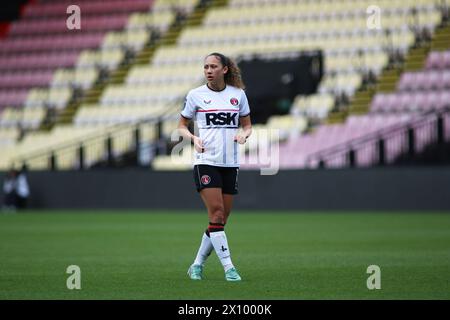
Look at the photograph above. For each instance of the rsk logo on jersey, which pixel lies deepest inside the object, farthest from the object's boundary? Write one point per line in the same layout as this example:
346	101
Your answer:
205	179
234	101
221	118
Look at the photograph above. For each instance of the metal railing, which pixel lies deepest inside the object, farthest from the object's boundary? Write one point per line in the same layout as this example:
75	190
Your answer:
105	138
383	146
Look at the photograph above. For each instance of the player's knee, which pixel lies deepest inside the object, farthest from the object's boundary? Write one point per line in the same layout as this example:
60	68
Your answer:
225	218
218	215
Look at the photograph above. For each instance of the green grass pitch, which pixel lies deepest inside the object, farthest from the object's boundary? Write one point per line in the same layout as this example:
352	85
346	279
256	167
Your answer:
280	255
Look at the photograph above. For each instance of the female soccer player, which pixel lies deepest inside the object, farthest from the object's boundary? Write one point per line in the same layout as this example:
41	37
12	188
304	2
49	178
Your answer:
218	107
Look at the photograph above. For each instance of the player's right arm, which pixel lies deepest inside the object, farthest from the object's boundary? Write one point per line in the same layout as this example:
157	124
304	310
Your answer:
183	129
186	116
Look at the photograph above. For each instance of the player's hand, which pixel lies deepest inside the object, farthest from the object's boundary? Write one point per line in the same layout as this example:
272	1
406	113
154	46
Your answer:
240	138
198	145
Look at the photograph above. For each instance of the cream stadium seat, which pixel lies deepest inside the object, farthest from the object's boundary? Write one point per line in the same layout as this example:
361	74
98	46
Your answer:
148	94
143	21
146	75
105	58
94	151
83	78
313	106
343	82
175	161
6	156
170	128
32	117
167	5
132	39
94	115
8	136
10	117
55	97
287	125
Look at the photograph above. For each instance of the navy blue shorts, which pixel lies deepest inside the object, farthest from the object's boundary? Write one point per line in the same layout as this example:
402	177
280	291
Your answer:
206	176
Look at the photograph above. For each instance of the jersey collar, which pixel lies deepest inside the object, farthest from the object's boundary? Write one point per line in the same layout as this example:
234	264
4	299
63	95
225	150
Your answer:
216	90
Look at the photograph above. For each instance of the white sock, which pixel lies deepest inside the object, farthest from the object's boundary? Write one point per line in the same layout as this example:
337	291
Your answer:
220	243
204	251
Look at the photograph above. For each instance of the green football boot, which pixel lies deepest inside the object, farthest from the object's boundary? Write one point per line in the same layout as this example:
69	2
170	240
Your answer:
232	275
195	272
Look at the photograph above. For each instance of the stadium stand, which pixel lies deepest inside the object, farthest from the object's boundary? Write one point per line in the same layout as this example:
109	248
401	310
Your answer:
62	68
360	63
39	49
422	97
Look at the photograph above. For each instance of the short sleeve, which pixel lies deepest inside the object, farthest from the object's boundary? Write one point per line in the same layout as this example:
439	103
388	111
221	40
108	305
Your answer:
189	107
244	108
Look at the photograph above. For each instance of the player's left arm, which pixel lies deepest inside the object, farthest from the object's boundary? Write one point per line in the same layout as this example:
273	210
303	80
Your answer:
246	131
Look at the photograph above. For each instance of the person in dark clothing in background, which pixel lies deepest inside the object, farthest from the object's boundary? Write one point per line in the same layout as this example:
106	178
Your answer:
9	191
22	188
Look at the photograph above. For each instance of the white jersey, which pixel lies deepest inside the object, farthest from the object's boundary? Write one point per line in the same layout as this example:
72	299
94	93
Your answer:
217	114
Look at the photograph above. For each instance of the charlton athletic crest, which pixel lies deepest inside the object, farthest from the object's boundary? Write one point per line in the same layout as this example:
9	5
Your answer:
206	179
234	101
